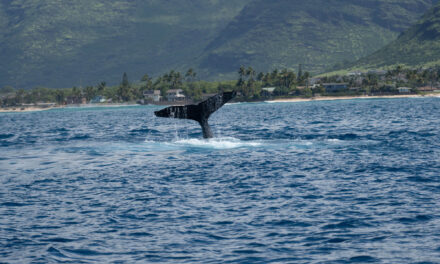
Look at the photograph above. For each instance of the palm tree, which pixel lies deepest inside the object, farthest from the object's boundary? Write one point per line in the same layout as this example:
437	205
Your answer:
242	72
101	86
191	75
250	72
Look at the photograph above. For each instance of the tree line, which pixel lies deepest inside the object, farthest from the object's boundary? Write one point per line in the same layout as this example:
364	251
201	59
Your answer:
249	85
387	81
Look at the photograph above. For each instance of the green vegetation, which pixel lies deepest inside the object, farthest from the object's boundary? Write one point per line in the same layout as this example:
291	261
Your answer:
318	34
380	82
250	85
417	47
56	43
62	43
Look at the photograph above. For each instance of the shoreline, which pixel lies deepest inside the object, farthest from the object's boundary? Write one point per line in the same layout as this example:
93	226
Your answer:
284	100
20	109
333	98
25	109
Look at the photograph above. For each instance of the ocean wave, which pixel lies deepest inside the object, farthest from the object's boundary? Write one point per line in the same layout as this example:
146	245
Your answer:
217	143
6	136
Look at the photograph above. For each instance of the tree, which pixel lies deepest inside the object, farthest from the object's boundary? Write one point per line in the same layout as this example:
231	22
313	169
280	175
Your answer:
60	97
6	89
176	80
20	96
190	75
101	86
89	92
76	92
242	72
250	72
300	74
124	90
148	83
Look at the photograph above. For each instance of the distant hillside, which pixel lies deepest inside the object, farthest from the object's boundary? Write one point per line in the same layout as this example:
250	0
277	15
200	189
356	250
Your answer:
418	46
65	43
317	33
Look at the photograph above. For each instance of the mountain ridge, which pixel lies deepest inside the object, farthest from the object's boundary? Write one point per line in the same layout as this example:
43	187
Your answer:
56	44
417	47
313	36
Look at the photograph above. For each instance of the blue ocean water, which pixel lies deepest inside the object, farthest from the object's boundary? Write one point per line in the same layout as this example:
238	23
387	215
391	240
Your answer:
355	181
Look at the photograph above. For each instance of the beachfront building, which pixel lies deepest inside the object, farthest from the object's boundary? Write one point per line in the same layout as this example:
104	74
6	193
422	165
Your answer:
175	95
404	90
152	95
98	99
335	87
426	89
267	91
355	73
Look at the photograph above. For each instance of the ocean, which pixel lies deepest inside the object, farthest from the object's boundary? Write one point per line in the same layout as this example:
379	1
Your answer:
350	181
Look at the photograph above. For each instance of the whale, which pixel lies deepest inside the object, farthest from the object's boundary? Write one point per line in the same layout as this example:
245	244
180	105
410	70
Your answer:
198	112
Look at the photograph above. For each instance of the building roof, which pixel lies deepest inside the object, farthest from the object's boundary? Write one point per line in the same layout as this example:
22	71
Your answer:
174	91
268	89
152	92
328	84
426	88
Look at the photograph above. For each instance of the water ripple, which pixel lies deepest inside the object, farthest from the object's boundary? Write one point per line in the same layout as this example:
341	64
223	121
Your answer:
352	181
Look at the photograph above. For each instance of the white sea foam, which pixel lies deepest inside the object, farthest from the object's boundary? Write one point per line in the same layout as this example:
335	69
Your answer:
226	143
217	143
239	103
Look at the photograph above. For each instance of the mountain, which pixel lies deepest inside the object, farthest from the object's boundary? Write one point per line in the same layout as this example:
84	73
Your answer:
316	33
418	46
65	43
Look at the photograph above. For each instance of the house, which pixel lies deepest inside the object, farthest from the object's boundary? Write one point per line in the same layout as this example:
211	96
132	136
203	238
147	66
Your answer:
355	73
404	90
175	95
426	89
267	91
152	95
314	81
335	87
98	99
76	100
378	72
45	105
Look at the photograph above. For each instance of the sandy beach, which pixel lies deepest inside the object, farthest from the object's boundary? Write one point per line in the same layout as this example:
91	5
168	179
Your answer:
24	109
284	100
331	98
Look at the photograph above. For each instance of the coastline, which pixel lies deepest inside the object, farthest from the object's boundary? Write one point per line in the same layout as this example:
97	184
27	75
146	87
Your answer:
20	109
333	98
283	100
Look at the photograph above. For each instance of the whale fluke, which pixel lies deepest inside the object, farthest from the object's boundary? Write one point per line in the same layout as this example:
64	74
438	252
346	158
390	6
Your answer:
200	112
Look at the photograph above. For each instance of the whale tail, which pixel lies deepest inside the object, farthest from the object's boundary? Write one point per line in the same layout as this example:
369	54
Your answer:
200	112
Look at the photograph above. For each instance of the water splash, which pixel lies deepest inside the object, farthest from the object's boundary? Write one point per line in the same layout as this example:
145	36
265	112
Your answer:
218	143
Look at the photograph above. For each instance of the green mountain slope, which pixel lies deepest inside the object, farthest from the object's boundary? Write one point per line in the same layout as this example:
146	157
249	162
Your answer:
317	33
418	46
64	43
